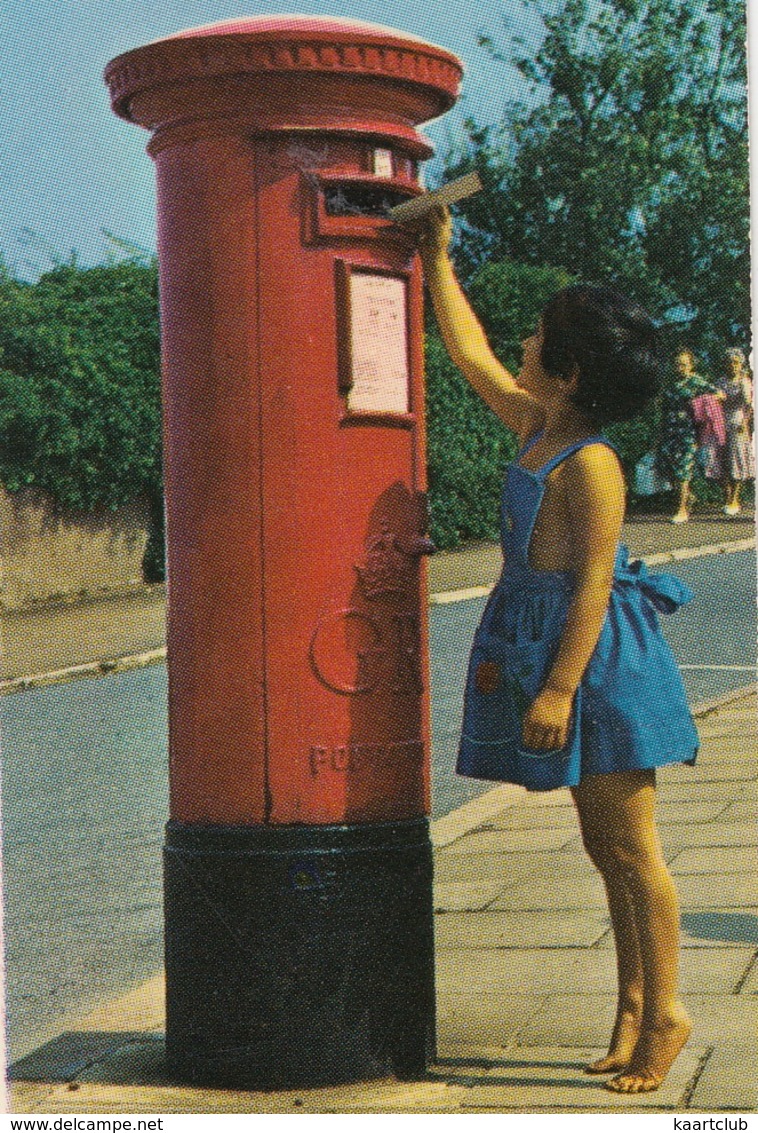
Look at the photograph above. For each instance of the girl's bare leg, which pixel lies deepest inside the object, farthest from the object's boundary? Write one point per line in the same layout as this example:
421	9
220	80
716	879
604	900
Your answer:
624	802
628	1022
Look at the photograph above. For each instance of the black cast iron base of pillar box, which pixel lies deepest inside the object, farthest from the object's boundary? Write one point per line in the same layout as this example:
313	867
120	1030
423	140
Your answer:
298	955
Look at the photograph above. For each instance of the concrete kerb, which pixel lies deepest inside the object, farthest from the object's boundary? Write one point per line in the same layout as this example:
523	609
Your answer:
107	666
102	668
450	827
680	553
706	707
677	555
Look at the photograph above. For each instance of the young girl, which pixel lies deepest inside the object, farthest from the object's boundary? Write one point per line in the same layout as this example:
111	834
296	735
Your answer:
570	682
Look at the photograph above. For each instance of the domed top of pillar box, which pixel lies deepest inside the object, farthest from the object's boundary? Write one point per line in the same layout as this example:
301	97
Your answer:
293	72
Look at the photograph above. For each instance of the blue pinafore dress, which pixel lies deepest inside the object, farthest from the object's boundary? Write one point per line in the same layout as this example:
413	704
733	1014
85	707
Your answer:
630	711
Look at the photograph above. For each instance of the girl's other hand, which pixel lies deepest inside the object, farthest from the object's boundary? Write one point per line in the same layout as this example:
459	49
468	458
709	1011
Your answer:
435	234
547	720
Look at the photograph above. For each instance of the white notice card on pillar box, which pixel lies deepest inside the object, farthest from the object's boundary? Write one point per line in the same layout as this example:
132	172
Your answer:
378	344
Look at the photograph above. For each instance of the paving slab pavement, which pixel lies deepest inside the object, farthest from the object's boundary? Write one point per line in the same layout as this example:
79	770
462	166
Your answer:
727	1082
525	971
51	637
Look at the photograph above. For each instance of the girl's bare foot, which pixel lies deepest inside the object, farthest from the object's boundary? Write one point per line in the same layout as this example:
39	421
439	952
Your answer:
654	1055
626	1032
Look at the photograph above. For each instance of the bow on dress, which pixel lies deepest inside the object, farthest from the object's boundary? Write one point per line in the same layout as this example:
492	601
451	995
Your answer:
665	591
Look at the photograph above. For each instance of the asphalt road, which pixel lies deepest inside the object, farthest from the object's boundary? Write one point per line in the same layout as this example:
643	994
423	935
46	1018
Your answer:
85	799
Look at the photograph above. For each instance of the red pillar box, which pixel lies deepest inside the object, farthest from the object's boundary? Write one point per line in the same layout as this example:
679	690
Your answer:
297	862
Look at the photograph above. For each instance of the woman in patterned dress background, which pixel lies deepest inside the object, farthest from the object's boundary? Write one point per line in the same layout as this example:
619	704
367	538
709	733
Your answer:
675	459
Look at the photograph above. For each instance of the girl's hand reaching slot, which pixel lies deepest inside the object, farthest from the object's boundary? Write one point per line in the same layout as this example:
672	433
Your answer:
435	235
546	723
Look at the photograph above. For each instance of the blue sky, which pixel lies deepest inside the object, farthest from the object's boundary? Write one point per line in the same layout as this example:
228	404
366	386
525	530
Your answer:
69	167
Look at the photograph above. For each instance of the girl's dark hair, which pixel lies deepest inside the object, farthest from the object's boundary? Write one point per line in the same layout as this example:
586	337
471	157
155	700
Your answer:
613	344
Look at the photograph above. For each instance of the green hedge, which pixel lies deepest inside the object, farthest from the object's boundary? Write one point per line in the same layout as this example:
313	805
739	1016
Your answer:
79	389
468	449
80	412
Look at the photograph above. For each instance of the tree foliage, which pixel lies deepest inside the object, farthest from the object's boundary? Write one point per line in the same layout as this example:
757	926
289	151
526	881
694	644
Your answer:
629	161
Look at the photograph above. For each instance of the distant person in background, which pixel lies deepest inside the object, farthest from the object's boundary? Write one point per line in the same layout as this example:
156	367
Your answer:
737	459
675	459
710	426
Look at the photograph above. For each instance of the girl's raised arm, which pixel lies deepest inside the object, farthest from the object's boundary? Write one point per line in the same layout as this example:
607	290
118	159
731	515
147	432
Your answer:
464	337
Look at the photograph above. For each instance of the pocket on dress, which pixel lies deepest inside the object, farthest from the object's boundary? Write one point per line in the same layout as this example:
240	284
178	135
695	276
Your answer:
503	680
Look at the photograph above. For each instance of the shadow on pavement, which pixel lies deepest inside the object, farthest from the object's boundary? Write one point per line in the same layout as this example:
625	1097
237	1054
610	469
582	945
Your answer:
137	1059
737	928
105	1057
